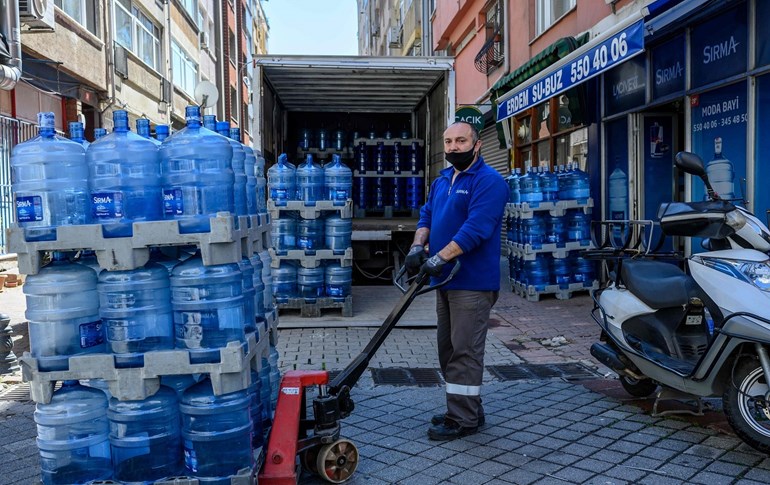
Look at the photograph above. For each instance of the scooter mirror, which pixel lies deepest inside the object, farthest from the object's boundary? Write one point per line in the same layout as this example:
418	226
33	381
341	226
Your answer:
690	163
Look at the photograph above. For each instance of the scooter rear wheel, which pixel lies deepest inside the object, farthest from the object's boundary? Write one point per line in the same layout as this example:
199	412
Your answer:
638	387
746	406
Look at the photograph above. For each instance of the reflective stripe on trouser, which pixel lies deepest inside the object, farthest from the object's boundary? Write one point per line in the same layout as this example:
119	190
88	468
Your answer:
462	332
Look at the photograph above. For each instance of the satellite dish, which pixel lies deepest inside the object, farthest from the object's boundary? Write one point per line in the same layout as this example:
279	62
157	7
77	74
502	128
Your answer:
206	94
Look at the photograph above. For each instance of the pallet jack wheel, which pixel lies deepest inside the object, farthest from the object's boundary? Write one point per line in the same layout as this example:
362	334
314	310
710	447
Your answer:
336	462
308	459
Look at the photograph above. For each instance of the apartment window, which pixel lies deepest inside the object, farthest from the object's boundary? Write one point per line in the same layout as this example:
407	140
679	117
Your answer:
492	53
136	32
184	68
551	134
549	11
233	53
191	6
83	11
234	104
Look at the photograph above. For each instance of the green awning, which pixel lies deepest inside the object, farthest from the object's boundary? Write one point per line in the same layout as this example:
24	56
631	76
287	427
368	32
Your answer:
548	56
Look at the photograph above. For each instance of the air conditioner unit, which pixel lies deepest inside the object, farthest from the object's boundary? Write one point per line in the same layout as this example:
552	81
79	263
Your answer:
203	40
38	15
394	37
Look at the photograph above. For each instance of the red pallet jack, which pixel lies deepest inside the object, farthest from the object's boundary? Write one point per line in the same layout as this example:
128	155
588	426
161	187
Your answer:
317	441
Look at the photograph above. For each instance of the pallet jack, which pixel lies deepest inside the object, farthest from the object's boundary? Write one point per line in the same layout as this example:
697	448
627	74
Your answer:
317	441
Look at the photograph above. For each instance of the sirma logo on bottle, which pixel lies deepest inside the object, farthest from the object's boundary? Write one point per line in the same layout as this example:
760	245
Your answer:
29	209
107	205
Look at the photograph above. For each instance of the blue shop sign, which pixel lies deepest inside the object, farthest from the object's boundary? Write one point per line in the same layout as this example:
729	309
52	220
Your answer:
625	86
668	68
763	33
575	69
719	47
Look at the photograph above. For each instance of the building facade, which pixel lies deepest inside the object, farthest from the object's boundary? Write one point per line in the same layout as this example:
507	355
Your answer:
394	27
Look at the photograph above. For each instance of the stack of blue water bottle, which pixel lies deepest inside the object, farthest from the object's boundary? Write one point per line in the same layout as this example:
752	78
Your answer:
311	235
158	360
548	222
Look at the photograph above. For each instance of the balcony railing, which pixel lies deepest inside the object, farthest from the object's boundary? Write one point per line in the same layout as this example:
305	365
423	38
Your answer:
491	54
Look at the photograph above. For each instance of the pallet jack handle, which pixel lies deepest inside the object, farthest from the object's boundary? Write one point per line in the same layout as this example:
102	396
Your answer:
350	375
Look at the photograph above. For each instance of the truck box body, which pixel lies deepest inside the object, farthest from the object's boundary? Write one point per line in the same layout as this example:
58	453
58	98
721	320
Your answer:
356	95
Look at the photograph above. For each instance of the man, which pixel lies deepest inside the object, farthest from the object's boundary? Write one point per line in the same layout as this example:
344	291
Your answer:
462	220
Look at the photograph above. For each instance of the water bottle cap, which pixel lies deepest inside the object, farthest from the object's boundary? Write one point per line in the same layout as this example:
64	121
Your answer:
309	159
161	130
120	120
76	129
192	114
335	158
223	128
142	123
235	134
46	121
99	132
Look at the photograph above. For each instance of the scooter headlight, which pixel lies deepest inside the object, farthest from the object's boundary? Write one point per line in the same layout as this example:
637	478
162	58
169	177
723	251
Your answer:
735	219
756	273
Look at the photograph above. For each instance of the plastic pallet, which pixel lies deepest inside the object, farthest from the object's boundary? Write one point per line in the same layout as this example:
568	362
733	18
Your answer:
310	211
222	245
388	141
558	208
313	310
245	476
387	213
530	254
388	174
311	260
533	294
272	326
230	374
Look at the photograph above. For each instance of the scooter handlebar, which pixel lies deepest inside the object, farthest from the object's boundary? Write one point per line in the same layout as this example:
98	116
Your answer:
421	278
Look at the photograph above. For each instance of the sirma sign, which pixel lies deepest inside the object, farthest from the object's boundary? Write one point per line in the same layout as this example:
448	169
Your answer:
470	114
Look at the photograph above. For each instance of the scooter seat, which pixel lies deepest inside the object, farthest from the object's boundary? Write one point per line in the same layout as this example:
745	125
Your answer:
658	285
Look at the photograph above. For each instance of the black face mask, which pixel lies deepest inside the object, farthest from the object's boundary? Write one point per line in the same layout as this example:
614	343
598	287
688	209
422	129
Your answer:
460	160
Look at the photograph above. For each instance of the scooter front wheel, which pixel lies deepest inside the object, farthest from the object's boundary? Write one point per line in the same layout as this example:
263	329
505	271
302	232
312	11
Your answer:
638	387
746	406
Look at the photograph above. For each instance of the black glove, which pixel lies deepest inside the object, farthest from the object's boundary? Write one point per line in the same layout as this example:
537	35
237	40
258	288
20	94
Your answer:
415	258
433	266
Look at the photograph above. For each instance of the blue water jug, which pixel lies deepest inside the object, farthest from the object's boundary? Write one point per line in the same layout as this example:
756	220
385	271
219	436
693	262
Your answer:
50	182
306	139
250	167
281	181
338	233
210	122
381	193
310	181
561	272
88	258
578	227
339	140
380	159
259	292
99	133
239	169
249	295
124	179
73	436
415	158
181	382
143	130
550	185
259	172
566	183
265	395
361	157
361	192
310	235
285	282
338	281
338	180
63	313
275	375
157	256
555	230
197	175
581	184
310	283
530	190
618	195
135	307
323	139
414	191
145	438
533	230
162	132
583	270
208	306
216	432
509	229
399	193
536	272
283	234
398	163
77	133
255	410
721	173
267	279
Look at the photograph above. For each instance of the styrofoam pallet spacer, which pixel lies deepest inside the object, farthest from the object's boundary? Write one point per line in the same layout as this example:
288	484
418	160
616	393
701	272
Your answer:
230	374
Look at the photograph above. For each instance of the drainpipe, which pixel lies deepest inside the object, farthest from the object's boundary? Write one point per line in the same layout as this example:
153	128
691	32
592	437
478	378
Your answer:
10	27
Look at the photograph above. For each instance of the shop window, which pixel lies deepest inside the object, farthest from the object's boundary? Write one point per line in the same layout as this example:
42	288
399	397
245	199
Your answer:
184	68
82	11
136	32
549	11
548	135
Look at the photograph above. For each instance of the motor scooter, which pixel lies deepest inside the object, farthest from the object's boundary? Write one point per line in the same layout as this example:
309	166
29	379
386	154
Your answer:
704	332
